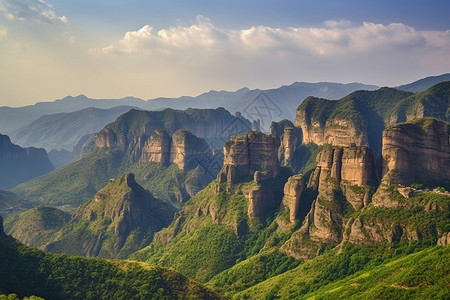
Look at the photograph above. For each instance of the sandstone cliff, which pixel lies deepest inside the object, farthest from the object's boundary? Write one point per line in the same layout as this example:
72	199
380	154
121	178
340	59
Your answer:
183	148
327	122
361	116
244	155
293	190
21	164
119	220
416	152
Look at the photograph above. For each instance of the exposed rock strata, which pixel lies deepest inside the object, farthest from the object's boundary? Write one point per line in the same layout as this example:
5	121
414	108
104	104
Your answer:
416	152
292	195
337	130
244	155
183	148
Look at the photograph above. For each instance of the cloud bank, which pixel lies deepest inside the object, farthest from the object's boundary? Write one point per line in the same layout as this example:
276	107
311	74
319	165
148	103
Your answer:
335	38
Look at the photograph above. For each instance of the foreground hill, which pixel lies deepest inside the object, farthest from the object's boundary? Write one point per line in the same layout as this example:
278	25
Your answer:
20	164
27	271
362	273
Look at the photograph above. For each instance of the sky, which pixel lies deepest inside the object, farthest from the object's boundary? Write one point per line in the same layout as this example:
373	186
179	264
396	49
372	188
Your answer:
109	49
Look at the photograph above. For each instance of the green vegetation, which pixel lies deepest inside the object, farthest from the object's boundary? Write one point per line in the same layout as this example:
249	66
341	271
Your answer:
363	273
120	219
10	204
37	226
27	271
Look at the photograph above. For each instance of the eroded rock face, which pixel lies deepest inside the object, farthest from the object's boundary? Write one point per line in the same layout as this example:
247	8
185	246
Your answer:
292	195
416	152
157	148
186	148
183	149
244	155
289	145
336	131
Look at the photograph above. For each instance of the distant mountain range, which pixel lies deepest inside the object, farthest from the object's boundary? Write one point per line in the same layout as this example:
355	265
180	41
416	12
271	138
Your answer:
60	124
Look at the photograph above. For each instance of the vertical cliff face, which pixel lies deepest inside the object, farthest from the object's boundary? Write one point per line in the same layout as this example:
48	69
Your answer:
244	155
187	149
157	148
21	164
183	148
288	146
323	123
416	152
293	190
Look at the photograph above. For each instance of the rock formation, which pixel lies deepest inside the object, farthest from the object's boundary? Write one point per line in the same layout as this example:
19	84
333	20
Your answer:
21	164
244	155
184	149
133	129
416	152
292	195
157	148
1	226
342	174
319	126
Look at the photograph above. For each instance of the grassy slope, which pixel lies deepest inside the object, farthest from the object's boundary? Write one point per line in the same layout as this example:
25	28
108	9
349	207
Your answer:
37	226
28	271
421	275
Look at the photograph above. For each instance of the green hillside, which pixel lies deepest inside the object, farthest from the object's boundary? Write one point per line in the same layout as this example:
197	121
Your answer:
363	273
37	226
120	219
27	271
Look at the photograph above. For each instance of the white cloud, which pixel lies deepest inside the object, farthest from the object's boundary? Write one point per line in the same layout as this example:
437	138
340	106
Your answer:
336	38
35	11
3	32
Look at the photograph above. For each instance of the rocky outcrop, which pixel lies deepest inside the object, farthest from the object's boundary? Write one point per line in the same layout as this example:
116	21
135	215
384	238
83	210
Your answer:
444	240
157	148
2	230
120	219
244	155
21	164
416	152
342	175
292	195
320	126
183	148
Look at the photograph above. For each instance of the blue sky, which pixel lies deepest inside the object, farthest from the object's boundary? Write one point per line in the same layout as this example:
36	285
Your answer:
110	49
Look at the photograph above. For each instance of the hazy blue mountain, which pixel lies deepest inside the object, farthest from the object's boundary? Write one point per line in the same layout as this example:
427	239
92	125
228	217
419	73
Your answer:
424	84
19	164
64	130
13	118
253	104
